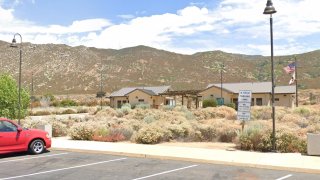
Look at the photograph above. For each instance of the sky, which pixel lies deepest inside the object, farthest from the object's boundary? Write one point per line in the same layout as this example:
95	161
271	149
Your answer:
181	26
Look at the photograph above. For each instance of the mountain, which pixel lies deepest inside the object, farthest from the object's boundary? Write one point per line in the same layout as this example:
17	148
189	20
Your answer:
61	69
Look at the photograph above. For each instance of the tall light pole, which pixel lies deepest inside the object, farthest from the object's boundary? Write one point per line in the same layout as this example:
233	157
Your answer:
14	44
271	10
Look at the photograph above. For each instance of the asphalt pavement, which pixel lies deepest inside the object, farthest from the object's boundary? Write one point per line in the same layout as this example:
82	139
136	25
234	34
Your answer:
294	162
67	165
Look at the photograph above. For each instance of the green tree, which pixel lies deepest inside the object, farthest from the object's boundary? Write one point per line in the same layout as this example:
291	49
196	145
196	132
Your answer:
9	102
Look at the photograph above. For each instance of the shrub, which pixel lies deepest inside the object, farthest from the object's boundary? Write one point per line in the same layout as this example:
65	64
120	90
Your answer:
45	102
40	113
179	131
232	105
209	103
206	113
142	106
168	108
189	115
125	109
255	137
228	134
58	128
82	110
288	142
226	112
118	133
207	132
260	113
100	134
302	111
69	111
149	135
68	102
149	119
82	131
49	96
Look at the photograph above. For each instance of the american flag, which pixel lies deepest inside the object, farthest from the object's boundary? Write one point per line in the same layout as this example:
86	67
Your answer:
290	68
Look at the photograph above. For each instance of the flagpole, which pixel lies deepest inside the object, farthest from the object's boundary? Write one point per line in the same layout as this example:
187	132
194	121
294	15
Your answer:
296	78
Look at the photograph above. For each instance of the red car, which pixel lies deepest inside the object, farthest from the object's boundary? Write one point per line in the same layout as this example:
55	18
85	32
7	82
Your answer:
14	138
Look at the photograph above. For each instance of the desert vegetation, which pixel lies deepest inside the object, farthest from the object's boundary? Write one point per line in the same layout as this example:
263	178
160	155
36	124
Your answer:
212	124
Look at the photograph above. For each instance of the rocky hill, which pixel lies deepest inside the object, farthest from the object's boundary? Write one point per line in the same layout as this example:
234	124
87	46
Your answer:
61	69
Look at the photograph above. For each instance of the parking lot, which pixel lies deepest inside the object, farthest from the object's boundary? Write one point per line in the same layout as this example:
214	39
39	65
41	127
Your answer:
75	165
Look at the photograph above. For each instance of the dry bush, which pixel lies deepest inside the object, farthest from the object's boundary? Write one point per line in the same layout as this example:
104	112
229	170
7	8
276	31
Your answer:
150	134
205	113
40	113
290	142
83	130
69	111
295	118
226	112
32	124
35	104
255	137
261	113
108	112
180	132
58	128
302	111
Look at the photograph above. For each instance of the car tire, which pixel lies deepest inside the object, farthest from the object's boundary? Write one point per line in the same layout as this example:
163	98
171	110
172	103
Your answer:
36	146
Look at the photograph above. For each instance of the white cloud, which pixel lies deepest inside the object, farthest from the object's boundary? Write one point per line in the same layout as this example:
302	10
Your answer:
237	26
6	15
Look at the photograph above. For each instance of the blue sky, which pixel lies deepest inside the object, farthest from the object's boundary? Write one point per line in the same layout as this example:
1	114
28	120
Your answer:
182	26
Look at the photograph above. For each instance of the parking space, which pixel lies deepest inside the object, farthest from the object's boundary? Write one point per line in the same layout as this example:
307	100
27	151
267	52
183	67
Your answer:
74	165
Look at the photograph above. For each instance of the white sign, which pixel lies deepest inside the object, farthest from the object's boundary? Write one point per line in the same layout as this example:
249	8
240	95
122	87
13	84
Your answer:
244	96
244	105
244	116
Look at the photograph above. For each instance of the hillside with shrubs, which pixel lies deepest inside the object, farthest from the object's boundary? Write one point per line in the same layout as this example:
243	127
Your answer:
179	124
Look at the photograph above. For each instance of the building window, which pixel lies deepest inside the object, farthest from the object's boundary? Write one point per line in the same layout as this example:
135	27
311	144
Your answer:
259	101
124	101
141	100
252	101
276	99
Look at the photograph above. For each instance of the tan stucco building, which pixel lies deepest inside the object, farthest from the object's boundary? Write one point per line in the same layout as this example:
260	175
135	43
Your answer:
139	95
261	93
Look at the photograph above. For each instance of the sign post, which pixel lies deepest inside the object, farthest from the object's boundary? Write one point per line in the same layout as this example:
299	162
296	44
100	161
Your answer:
244	105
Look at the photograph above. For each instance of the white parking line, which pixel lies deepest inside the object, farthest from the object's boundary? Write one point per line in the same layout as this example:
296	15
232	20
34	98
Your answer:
55	170
284	177
165	172
22	159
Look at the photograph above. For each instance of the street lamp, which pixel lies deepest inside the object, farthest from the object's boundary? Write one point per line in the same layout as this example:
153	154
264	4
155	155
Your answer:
14	44
271	10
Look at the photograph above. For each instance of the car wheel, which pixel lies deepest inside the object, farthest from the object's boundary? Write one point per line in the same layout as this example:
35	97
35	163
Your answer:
36	146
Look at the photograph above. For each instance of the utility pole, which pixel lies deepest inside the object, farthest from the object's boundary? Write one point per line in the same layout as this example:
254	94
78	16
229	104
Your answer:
296	79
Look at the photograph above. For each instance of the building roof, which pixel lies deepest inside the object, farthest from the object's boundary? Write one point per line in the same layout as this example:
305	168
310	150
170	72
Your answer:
143	90
255	87
155	90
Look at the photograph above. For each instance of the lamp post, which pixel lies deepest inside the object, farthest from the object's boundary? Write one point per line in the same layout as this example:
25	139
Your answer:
14	44
271	10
